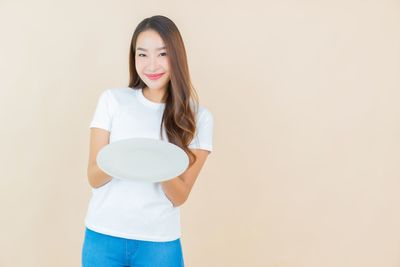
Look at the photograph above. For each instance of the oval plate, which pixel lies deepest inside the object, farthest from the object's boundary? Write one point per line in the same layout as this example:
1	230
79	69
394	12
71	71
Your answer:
142	159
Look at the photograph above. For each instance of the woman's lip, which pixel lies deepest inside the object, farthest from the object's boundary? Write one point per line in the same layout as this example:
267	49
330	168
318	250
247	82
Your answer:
154	76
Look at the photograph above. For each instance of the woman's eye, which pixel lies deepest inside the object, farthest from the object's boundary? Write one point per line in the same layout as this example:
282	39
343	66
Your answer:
145	55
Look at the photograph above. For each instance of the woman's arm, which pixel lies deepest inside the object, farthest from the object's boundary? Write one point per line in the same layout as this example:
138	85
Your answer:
98	139
178	189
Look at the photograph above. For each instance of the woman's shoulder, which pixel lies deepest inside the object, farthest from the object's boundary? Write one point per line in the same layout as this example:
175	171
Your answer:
120	91
120	95
203	113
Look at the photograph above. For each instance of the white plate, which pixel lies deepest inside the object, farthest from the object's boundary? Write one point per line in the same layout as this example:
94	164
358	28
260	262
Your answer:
143	159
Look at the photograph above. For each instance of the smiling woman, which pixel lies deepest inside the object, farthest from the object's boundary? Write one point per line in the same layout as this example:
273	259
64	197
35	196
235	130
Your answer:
137	223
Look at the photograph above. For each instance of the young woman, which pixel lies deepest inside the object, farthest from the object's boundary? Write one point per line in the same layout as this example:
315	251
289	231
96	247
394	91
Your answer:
136	223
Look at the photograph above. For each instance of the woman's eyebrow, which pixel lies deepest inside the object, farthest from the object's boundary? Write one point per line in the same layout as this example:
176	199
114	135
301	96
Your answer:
160	48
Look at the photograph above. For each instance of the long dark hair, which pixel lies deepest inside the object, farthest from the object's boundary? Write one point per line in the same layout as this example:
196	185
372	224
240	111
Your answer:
181	99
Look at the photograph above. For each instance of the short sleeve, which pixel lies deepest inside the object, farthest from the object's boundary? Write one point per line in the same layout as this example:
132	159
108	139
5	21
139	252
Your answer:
203	138
102	116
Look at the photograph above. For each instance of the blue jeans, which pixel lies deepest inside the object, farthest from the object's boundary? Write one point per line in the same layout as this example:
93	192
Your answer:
100	250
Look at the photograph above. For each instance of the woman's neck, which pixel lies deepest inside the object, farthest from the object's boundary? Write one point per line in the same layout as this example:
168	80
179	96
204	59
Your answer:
155	95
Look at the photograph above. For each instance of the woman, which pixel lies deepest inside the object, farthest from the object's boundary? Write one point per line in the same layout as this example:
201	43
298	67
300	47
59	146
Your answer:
136	223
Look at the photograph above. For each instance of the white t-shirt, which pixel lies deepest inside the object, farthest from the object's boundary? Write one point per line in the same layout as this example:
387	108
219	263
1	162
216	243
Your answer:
137	209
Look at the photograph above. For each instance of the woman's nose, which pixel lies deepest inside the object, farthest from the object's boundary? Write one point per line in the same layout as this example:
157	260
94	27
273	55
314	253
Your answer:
153	63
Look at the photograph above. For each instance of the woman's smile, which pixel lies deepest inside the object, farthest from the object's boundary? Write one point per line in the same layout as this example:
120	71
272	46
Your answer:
154	76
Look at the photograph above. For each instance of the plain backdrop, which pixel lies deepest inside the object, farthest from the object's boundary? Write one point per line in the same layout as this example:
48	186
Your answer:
305	97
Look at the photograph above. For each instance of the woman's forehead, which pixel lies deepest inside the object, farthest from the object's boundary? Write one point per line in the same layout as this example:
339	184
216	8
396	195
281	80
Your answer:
149	40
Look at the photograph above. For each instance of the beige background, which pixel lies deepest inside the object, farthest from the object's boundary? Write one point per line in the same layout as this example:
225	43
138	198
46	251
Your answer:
305	98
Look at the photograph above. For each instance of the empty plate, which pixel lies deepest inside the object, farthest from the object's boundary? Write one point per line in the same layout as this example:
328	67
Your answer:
143	159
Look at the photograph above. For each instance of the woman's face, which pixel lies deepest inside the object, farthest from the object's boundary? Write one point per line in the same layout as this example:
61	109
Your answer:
151	58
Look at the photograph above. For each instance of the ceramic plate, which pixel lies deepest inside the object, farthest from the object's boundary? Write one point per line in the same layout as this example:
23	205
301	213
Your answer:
143	159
